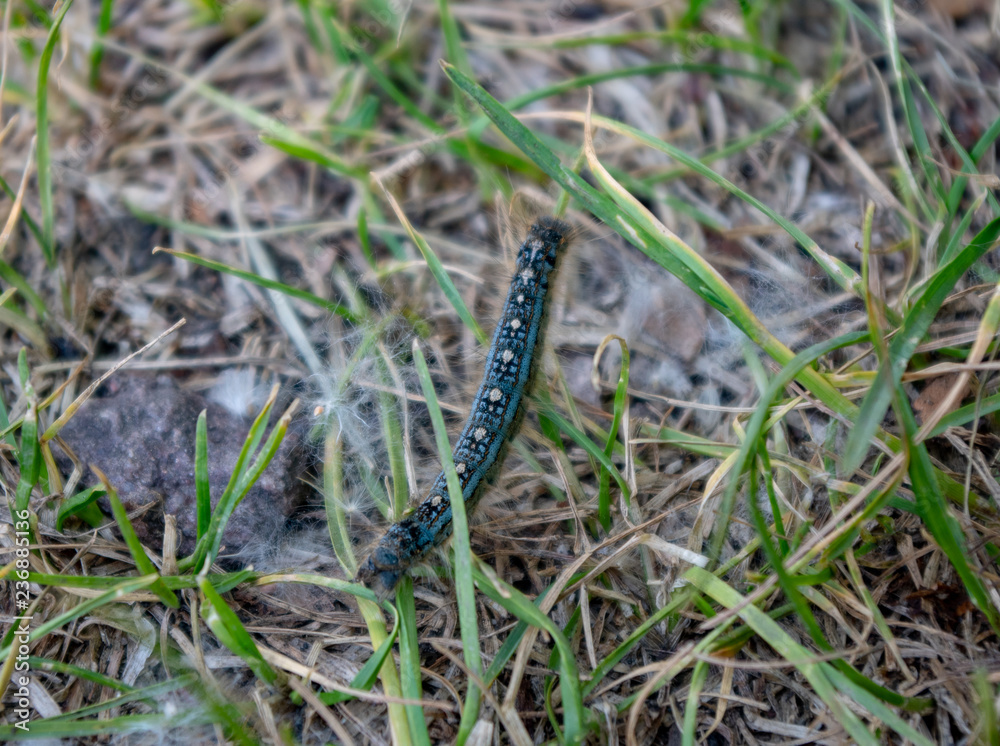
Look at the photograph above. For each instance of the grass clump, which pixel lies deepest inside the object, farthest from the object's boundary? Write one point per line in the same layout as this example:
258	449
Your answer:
757	495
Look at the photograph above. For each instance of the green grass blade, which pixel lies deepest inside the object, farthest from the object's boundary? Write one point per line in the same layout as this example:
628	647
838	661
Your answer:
12	318
223	583
968	413
309	152
82	504
592	449
97	53
438	271
680	600
934	510
878	709
905	342
956	238
260	463
99	729
32	225
291	292
142	562
334	499
452	38
6	428
513	639
409	660
398	723
575	722
691	41
582	81
989	724
226	626
393	92
462	548
792	585
15	279
689	736
208	545
620	402
392	434
78	672
755	427
123	588
149	694
982	145
365	239
29	455
924	153
365	678
202	486
45	196
817	674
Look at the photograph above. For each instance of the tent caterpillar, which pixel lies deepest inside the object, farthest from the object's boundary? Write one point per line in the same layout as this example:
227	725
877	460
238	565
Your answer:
496	412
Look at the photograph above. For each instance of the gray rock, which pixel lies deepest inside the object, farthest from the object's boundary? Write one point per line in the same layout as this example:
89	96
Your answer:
141	434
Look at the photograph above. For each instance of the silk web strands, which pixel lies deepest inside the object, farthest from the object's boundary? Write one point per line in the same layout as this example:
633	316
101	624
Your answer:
497	410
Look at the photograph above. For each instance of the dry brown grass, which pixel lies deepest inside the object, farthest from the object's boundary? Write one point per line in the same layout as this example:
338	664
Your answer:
174	147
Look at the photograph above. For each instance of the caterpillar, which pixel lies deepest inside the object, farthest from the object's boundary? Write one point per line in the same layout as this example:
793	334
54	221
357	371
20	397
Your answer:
496	414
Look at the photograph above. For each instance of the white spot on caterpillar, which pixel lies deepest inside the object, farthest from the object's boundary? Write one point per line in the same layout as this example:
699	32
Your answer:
539	249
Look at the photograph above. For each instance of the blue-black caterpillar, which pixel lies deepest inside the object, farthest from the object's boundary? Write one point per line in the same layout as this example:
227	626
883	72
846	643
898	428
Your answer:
496	412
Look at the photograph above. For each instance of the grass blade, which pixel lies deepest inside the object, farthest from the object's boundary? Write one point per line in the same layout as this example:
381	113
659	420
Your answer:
817	674
29	455
620	402
82	504
437	269
45	197
409	660
142	563
305	295
120	590
202	486
911	333
97	53
462	548
575	721
226	626
934	510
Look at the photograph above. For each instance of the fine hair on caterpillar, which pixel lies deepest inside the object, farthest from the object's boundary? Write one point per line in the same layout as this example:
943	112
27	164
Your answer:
512	362
513	220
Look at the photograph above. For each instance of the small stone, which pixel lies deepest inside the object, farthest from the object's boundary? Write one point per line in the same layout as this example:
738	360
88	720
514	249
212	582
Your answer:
141	434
